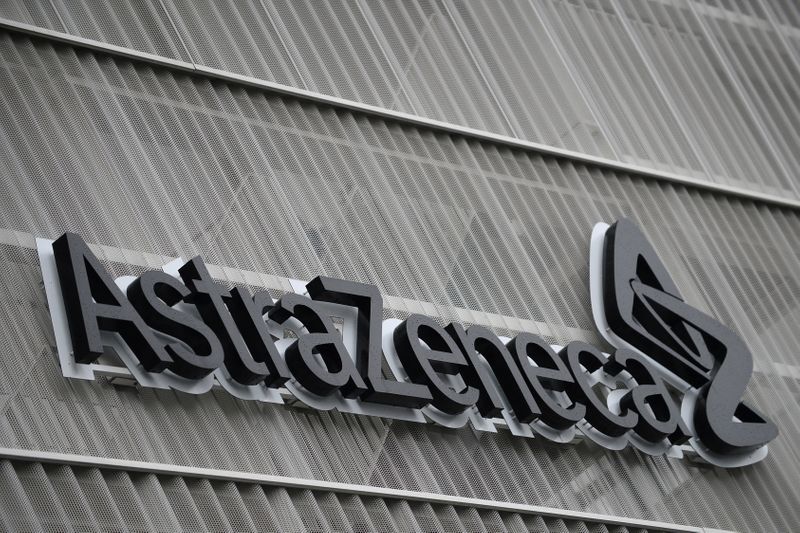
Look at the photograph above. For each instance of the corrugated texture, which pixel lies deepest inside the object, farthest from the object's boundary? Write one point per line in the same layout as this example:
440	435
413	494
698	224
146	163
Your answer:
63	498
702	88
146	159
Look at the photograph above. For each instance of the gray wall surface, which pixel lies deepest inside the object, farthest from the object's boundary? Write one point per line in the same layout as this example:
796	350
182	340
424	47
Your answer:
702	88
151	163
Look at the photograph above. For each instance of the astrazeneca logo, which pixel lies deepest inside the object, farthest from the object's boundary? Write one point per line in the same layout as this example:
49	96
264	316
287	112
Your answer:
672	386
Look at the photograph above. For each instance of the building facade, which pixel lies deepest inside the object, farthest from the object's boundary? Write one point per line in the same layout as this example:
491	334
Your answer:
454	154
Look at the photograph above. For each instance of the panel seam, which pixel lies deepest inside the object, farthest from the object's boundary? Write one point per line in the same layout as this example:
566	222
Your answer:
128	465
399	116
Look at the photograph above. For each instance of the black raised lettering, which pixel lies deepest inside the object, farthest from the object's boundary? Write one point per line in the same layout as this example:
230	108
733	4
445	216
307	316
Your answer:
248	313
659	415
438	354
337	370
478	341
549	373
154	294
209	297
583	359
369	354
94	302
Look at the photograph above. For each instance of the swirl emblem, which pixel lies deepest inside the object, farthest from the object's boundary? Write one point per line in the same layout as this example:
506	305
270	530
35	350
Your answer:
637	305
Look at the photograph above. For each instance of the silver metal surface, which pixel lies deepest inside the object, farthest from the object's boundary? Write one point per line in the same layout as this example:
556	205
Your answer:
214	73
63	497
702	89
327	486
152	158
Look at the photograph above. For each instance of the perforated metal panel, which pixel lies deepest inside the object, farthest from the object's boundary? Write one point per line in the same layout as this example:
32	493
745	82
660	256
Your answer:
64	498
153	164
706	89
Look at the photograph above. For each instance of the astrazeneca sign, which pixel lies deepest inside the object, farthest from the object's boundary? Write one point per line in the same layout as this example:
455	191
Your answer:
673	384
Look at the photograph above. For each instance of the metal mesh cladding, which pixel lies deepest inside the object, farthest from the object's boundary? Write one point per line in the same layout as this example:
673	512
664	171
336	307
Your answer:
706	89
153	164
57	498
